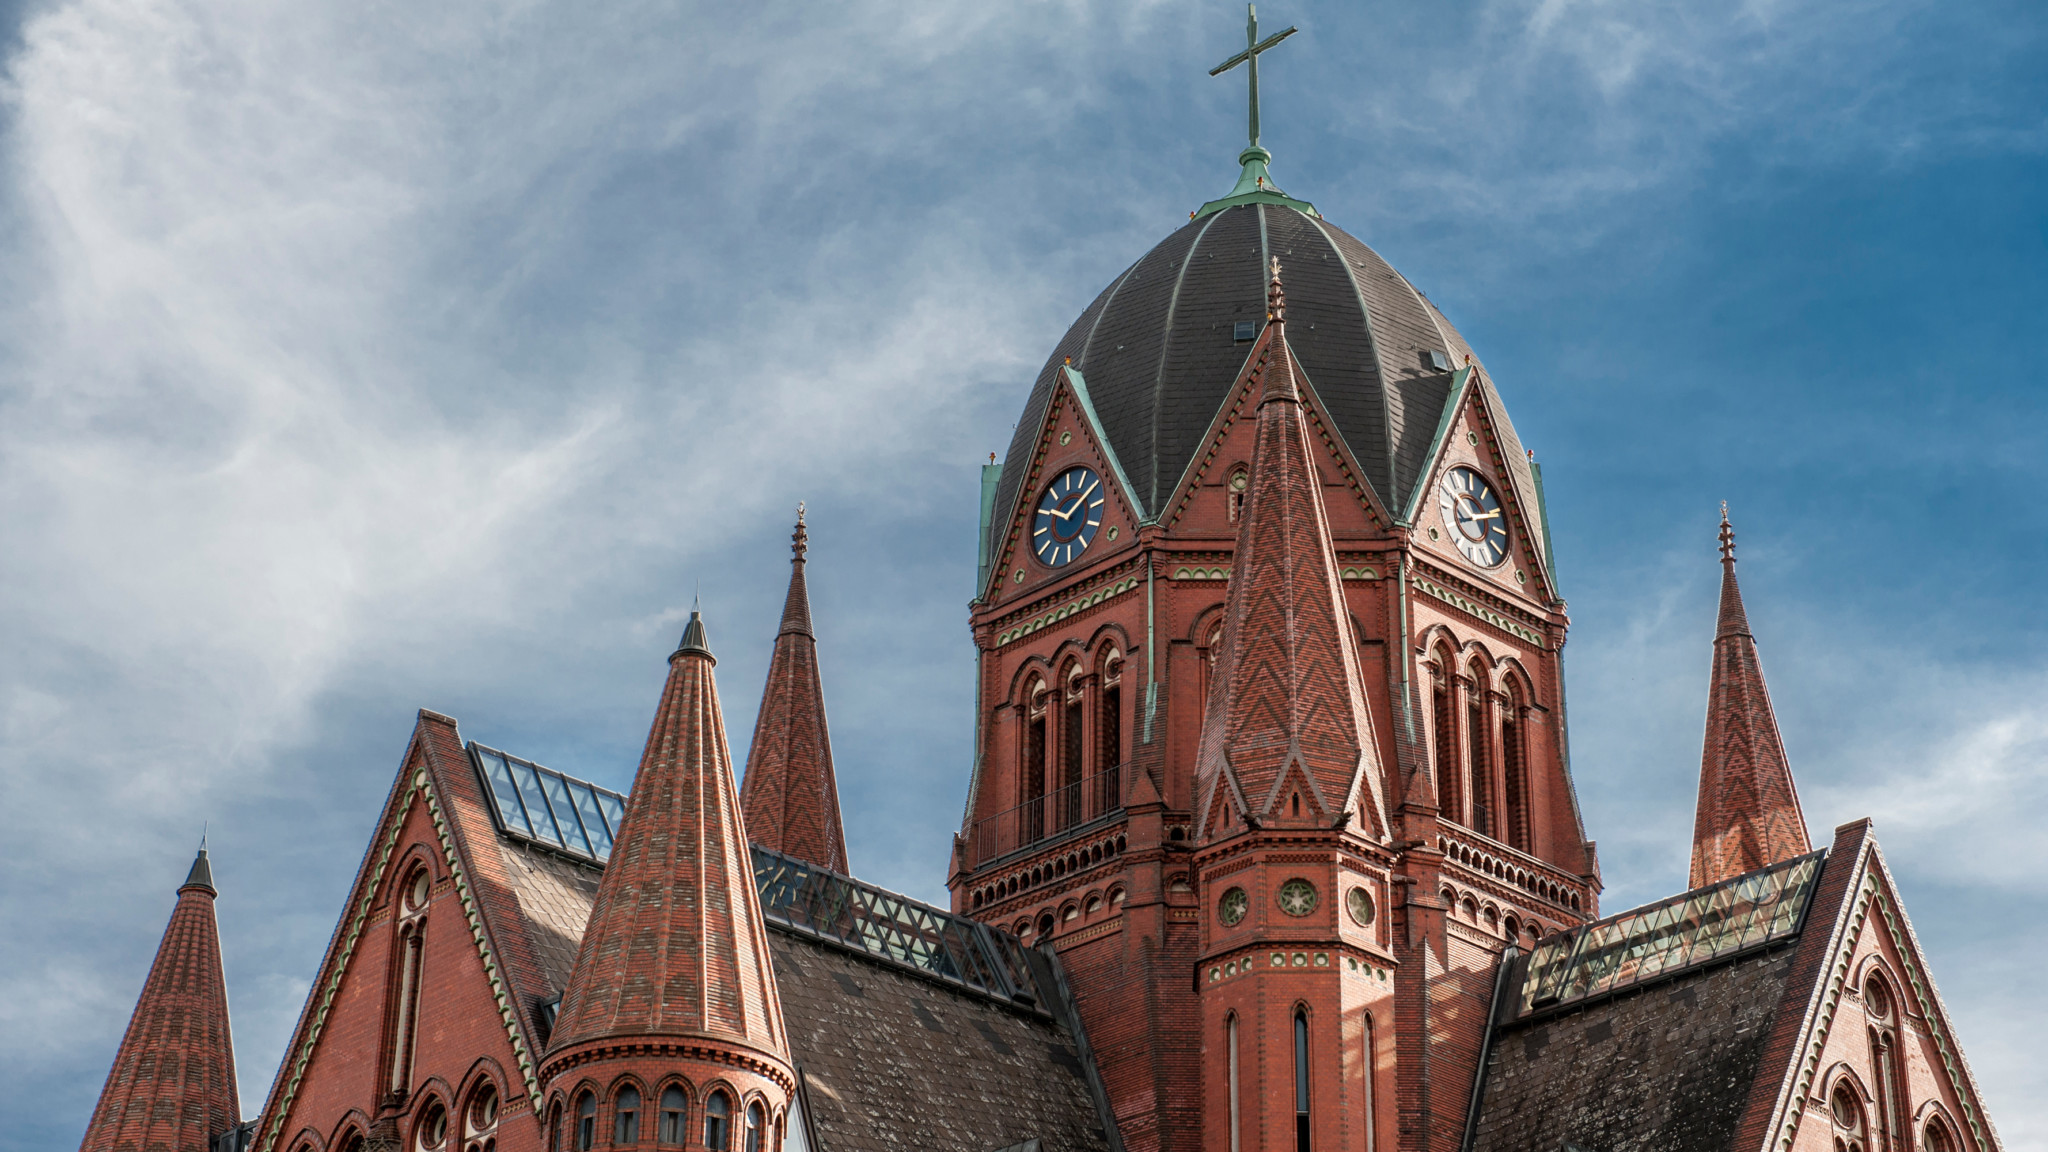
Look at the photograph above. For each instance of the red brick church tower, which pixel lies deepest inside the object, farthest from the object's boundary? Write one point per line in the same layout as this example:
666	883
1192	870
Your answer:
1270	737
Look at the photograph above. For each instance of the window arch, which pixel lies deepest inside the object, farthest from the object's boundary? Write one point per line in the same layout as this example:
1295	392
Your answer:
626	1116
1514	767
1845	1112
1450	796
1230	1028
415	892
1370	1075
1301	1124
1032	770
586	1122
1073	745
675	1109
480	1119
1109	732
1479	733
1934	1136
1880	1008
756	1127
718	1121
431	1133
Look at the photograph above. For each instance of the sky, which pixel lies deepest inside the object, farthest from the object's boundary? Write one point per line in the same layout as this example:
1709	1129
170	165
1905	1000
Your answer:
363	357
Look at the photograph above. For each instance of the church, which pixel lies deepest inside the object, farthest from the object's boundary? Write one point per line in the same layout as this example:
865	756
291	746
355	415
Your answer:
1271	841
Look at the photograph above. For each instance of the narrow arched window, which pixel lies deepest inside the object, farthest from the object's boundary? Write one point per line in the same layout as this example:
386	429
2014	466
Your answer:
717	1122
586	1123
480	1123
1032	800
1067	811
1514	774
1879	1009
1301	1137
1232	1029
1478	731
1449	796
1371	1069
756	1123
1845	1107
1936	1136
673	1108
1109	735
626	1117
432	1133
404	998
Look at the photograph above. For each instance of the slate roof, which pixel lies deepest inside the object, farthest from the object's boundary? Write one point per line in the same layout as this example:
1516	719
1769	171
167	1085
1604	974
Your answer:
902	1037
1158	352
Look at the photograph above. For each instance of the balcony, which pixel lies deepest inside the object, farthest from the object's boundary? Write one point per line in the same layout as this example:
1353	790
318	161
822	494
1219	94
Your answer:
1050	817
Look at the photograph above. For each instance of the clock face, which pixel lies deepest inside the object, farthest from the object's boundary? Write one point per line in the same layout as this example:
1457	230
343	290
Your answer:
1472	512
1297	897
1232	907
1068	516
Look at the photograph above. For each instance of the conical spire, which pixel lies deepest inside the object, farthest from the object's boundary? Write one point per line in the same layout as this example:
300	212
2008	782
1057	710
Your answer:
1287	711
172	1086
675	945
790	796
1748	809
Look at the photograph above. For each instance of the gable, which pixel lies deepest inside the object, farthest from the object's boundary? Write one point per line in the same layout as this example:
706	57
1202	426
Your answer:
1471	436
476	969
1069	435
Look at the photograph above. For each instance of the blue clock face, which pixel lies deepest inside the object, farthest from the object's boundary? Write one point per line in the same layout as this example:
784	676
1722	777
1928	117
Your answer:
1069	514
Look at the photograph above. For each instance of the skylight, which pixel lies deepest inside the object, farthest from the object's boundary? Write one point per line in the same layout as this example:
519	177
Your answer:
1682	932
542	805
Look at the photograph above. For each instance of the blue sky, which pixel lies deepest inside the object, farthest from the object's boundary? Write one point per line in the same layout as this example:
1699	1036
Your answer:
356	358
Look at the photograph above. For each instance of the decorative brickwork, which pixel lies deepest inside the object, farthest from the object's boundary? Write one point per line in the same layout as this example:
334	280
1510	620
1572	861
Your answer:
789	795
172	1087
1749	809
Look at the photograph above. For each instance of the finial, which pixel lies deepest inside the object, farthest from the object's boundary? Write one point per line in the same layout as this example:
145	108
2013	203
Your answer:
800	540
1276	296
1727	536
693	635
991	457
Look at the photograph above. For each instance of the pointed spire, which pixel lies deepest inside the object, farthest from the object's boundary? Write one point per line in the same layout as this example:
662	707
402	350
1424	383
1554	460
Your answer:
1287	710
1748	812
675	945
172	1086
790	796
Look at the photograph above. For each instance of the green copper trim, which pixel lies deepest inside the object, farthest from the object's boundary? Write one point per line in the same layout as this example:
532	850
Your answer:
1452	403
1087	405
1255	186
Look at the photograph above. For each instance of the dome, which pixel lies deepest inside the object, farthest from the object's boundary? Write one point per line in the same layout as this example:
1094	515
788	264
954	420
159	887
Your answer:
1159	352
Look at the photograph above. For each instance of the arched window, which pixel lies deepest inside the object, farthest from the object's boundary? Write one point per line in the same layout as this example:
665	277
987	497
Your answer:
586	1123
432	1133
1301	1134
1514	773
404	999
1450	796
1935	1136
1880	1010
1032	772
1371	1070
480	1122
1067	811
1845	1108
626	1116
717	1122
1479	730
1109	735
673	1108
1231	1028
756	1123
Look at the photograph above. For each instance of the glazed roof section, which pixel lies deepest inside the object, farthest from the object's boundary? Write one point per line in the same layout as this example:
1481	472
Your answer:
1685	931
1160	355
537	806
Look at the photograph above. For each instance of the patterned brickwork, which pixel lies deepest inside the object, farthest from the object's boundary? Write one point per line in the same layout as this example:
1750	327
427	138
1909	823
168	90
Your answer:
1288	723
789	795
172	1087
1748	807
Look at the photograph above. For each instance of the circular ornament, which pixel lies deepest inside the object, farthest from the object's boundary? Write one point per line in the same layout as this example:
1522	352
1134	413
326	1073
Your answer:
1297	897
1231	908
1068	514
1359	903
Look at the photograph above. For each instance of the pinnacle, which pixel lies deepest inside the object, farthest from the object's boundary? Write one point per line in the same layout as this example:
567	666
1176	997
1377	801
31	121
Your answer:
201	875
796	607
789	795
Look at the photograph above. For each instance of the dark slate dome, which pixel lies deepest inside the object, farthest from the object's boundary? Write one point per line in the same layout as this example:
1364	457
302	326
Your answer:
1158	353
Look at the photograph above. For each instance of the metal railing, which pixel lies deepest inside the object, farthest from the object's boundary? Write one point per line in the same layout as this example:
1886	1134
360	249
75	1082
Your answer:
1049	816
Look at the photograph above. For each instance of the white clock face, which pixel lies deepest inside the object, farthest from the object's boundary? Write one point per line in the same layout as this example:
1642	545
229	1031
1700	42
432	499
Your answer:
1472	511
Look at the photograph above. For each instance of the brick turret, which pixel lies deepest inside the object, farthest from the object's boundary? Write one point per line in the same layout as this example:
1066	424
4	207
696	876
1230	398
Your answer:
790	797
1748	808
1288	734
172	1086
673	978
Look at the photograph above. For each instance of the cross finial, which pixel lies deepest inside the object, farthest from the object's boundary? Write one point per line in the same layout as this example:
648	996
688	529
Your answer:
1276	296
1253	47
800	540
1727	536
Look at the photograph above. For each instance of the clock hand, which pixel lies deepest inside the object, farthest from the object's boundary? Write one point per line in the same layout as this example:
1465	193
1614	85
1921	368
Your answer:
1493	515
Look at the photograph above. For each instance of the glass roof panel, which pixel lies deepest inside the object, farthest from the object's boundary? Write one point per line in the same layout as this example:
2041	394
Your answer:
586	798
1687	929
504	794
565	812
546	807
528	779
